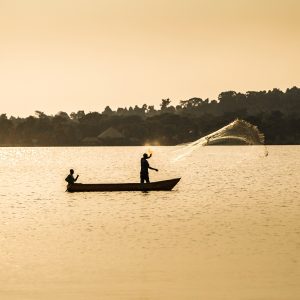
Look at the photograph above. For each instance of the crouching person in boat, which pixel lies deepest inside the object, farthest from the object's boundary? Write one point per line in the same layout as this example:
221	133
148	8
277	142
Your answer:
144	168
70	178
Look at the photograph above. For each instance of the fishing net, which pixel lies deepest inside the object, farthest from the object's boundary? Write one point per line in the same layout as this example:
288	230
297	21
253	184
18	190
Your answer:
239	132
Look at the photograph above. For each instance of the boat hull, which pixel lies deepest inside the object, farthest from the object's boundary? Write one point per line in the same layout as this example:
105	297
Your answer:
165	185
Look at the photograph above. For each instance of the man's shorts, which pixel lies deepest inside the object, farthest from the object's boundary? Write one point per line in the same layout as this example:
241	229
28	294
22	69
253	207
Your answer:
144	177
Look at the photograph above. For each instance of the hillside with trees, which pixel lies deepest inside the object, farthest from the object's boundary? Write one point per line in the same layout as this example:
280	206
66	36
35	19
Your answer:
276	113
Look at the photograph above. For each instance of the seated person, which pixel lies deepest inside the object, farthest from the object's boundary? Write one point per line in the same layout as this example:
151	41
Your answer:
70	178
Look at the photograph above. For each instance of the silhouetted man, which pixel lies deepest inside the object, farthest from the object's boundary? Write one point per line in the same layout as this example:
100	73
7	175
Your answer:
144	168
70	178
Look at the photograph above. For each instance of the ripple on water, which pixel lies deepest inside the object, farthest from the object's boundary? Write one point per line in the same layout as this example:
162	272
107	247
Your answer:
233	215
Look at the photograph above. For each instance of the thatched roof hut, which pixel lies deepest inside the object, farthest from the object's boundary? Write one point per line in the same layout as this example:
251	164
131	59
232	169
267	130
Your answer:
110	133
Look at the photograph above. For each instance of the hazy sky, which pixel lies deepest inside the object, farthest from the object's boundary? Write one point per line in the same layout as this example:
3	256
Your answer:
86	54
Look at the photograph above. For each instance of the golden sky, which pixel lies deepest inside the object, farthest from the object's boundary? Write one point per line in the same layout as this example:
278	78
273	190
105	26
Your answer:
85	54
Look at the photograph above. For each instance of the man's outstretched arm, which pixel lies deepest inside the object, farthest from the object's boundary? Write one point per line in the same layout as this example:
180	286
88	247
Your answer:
153	169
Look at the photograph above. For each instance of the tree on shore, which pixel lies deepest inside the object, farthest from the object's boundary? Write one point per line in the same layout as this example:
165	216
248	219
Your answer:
276	113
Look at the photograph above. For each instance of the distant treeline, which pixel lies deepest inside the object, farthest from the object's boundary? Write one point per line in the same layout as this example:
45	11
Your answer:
276	113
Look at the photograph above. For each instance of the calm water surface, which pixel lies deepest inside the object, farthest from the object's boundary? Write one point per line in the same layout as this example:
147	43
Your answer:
229	230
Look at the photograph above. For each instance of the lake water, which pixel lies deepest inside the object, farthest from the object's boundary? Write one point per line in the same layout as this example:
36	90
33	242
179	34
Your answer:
229	230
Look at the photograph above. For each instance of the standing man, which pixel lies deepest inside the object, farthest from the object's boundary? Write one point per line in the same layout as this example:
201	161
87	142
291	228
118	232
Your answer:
144	168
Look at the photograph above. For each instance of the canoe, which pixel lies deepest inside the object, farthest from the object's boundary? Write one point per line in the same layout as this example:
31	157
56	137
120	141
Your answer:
165	185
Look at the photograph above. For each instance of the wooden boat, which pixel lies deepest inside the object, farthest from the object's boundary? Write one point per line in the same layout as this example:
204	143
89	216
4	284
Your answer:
165	185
